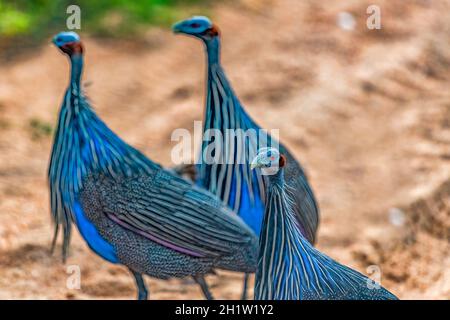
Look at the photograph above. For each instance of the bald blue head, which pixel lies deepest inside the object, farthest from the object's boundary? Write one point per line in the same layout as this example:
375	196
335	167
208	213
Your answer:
68	42
198	26
65	37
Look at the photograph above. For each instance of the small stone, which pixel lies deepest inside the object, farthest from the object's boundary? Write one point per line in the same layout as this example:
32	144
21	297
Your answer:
396	217
346	21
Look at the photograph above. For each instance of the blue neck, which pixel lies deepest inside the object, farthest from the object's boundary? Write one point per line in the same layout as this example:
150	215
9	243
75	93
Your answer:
277	179
216	74
279	274
76	61
213	49
84	144
290	268
273	212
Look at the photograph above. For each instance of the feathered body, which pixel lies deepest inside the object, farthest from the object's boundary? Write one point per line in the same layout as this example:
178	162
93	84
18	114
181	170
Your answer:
290	268
84	144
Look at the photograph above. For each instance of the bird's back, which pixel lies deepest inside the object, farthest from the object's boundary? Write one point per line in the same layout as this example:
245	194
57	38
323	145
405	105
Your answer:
162	217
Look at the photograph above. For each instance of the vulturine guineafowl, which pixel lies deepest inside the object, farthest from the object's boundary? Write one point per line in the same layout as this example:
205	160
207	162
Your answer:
289	267
234	182
129	209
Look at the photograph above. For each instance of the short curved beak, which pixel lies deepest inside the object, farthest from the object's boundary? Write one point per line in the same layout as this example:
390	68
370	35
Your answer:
178	27
255	163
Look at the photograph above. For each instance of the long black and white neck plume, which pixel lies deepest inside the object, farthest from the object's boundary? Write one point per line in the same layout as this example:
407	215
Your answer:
289	267
82	144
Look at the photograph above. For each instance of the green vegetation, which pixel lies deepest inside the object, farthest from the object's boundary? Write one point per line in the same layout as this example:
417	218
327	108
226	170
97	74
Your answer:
4	124
37	19
40	129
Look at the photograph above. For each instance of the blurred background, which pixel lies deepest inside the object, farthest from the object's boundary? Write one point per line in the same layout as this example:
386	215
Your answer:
367	112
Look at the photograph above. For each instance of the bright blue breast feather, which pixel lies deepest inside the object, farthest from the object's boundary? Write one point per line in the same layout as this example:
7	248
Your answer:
250	210
92	237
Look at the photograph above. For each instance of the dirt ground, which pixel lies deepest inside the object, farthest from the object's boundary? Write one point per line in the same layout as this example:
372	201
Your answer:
367	112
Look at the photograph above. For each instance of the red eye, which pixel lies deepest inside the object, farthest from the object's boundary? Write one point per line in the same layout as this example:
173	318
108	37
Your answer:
272	158
194	25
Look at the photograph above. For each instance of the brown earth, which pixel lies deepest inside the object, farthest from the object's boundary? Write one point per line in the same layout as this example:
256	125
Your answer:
366	111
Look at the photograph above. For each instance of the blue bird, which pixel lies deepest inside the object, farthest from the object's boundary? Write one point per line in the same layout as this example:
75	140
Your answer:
130	210
233	182
289	267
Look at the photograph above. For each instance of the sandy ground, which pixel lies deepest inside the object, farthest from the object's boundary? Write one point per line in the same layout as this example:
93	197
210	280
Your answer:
366	112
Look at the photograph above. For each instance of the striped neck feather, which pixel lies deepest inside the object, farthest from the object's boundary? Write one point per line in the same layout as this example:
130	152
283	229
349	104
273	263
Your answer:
83	144
289	267
224	111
